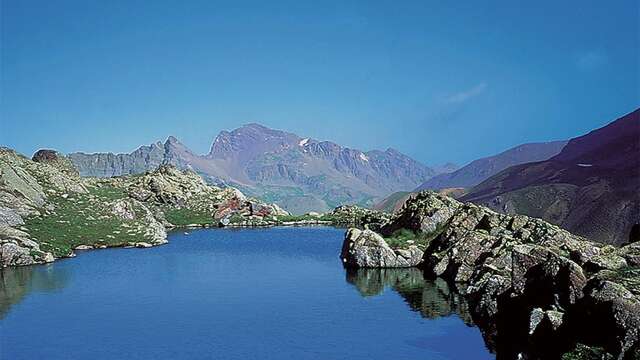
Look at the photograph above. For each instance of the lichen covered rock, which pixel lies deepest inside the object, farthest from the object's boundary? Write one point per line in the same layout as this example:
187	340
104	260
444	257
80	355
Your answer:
535	289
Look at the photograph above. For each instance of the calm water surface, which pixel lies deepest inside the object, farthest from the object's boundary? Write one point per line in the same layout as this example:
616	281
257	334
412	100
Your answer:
277	293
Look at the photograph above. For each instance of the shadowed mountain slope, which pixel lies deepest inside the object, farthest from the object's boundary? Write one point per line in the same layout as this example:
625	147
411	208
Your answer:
592	187
481	169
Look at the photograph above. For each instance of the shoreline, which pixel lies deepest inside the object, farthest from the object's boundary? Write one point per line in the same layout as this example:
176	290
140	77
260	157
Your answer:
169	230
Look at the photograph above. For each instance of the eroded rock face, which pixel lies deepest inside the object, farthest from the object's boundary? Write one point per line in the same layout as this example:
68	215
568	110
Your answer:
185	189
424	213
365	248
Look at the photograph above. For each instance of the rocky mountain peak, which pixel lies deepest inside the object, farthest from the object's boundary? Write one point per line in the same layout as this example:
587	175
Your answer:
172	140
174	148
298	171
250	141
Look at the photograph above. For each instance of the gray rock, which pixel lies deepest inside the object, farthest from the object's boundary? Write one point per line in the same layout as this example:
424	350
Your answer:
368	249
123	209
10	217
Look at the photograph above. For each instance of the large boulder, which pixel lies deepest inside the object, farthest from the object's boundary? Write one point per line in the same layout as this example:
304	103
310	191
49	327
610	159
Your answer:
424	212
18	249
56	159
365	248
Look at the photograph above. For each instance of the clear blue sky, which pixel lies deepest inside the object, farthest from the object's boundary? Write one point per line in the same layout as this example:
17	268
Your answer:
438	80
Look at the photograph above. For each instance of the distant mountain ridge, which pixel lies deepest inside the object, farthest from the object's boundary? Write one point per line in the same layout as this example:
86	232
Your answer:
592	187
301	174
479	170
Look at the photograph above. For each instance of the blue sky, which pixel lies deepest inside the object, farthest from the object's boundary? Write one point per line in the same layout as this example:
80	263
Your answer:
438	80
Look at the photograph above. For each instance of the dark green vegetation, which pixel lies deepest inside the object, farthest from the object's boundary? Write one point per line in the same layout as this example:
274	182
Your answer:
403	238
583	352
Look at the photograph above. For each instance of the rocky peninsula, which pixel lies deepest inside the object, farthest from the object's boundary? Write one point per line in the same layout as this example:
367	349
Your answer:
535	290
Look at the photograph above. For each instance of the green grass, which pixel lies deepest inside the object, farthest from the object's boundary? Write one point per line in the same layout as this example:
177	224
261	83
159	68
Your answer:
399	239
83	219
185	216
305	217
107	192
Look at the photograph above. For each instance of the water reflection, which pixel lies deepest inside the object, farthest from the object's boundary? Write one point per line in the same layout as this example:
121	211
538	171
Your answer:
18	282
432	298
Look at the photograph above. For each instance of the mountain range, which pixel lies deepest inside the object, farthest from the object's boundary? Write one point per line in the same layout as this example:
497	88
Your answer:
590	184
300	174
592	187
479	170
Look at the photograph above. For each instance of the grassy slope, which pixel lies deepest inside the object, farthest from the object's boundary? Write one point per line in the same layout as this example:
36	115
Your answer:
84	219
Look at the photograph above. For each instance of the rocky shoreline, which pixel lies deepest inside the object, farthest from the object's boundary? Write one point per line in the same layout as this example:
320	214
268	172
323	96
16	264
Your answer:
47	211
535	290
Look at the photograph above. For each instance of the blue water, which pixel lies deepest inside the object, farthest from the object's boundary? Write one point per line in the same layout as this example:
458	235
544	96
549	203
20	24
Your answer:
278	293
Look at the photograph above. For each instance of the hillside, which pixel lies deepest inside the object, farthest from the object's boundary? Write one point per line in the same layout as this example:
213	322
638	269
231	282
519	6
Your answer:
592	187
393	202
481	169
47	211
300	174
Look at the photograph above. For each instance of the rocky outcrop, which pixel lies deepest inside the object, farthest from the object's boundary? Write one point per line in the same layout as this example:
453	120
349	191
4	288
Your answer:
25	186
533	288
172	188
358	216
366	249
18	249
